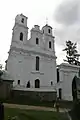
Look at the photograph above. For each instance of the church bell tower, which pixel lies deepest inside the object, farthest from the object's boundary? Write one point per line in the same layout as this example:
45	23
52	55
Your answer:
20	30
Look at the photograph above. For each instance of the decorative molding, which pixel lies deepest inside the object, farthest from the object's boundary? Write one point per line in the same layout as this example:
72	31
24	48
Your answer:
14	41
31	52
29	55
21	25
28	44
37	72
37	31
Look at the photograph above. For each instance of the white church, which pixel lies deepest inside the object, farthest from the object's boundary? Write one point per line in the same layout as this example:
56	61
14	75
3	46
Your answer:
32	63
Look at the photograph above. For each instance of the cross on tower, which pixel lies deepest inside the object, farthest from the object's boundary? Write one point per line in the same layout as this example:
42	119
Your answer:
46	21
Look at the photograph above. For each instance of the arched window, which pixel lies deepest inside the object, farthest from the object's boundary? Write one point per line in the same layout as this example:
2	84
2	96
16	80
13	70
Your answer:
37	83
37	63
21	36
37	41
51	83
49	44
57	75
18	82
60	93
48	30
28	84
22	20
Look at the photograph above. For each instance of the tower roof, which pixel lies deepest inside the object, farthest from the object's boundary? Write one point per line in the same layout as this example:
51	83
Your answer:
21	15
47	26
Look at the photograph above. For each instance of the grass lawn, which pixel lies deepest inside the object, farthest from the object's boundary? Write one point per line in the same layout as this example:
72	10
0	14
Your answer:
26	101
34	115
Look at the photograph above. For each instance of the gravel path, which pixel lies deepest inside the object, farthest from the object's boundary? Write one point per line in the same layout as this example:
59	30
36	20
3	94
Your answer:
28	107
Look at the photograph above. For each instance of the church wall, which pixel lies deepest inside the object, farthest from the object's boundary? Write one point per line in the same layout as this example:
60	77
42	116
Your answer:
20	67
16	34
36	33
47	67
46	43
23	68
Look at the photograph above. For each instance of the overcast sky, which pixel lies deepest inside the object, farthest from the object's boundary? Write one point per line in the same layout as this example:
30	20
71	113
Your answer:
63	16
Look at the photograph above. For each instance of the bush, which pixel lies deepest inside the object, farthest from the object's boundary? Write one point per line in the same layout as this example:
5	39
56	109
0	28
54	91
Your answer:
76	110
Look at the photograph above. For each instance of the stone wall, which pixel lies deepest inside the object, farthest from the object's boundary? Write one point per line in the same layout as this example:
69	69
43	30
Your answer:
5	88
34	95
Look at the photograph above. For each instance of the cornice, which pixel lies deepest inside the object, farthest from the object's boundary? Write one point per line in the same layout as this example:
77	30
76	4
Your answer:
38	31
20	26
49	35
31	52
30	56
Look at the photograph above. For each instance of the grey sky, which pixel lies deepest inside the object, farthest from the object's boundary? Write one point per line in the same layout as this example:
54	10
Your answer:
67	16
63	16
67	13
35	10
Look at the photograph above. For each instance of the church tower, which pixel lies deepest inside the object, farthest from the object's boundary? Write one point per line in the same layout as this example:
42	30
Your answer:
20	30
48	38
19	41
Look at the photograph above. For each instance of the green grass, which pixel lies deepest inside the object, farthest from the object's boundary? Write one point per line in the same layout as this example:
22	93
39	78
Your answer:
26	101
34	115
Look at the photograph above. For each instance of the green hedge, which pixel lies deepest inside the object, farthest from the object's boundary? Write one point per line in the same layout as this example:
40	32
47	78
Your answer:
75	112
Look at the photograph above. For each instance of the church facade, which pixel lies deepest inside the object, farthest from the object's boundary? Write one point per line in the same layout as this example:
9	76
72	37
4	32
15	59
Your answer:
32	63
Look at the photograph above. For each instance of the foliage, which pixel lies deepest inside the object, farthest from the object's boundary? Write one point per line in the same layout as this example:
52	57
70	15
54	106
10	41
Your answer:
71	52
77	109
1	81
1	72
75	112
1	66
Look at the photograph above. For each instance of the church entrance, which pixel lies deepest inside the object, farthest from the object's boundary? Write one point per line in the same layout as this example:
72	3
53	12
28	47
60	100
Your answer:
60	93
74	88
37	83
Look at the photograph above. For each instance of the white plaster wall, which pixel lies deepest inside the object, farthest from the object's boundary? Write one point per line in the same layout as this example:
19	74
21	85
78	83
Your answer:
23	68
18	19
49	70
67	73
46	28
36	33
16	33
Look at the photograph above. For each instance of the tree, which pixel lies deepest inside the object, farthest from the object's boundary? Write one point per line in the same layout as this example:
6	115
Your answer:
1	66
1	81
71	52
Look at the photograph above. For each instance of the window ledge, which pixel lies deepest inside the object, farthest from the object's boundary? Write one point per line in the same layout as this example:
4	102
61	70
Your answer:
37	72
